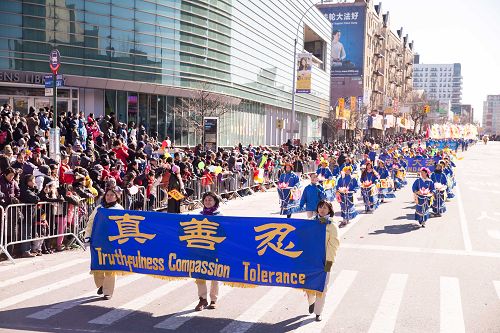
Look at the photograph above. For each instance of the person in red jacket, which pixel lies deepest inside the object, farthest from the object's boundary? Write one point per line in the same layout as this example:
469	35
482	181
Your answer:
121	151
64	176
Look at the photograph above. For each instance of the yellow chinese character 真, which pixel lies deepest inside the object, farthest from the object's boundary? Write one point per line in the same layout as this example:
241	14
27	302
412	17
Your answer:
201	234
128	227
274	230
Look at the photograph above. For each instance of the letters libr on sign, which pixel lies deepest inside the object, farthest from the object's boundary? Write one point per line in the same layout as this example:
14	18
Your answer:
54	60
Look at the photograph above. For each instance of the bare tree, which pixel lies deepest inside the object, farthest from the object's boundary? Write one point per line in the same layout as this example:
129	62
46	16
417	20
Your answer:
417	112
202	103
332	123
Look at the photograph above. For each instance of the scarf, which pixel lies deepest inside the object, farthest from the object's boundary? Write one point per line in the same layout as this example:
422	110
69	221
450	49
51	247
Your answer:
210	211
108	205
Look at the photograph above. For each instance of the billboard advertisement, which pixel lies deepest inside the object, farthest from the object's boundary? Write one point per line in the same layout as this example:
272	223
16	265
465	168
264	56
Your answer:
347	44
304	64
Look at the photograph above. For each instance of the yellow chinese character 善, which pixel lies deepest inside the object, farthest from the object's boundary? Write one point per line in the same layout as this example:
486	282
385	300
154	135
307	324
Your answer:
201	234
276	229
128	227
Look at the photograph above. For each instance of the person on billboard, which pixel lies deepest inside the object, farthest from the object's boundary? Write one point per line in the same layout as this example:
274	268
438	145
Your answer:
303	65
337	51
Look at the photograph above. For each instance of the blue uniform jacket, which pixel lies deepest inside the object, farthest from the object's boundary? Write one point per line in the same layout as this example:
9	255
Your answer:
420	183
311	196
325	172
349	182
439	178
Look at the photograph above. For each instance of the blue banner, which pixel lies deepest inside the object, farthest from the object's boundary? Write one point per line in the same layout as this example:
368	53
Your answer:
415	164
239	250
441	144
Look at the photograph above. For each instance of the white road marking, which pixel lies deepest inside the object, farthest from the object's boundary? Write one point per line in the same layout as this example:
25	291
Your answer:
452	318
334	296
421	250
138	303
497	287
484	216
175	321
42	290
387	311
475	189
60	307
494	234
463	221
9	266
37	273
253	314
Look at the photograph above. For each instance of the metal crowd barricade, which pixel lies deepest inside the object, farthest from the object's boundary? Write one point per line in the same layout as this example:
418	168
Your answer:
134	198
36	223
158	198
3	235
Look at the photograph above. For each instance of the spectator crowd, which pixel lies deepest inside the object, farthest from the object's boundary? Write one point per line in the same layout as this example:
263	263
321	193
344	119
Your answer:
100	153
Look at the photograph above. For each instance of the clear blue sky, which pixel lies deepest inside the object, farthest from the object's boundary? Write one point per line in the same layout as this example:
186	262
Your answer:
450	31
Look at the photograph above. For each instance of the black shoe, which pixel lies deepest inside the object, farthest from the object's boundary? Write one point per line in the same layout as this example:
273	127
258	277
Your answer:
212	305
99	291
202	304
107	297
422	225
318	318
311	308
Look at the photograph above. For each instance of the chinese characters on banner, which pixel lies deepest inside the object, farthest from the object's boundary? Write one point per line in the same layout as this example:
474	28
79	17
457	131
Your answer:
304	65
239	250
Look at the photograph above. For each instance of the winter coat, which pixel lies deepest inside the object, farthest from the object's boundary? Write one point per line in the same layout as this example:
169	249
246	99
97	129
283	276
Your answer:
10	191
311	197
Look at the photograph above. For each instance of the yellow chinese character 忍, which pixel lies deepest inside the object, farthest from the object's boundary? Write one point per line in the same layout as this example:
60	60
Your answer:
128	227
201	234
275	229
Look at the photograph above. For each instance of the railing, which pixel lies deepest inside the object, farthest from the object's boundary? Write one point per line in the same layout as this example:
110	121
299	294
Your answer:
36	223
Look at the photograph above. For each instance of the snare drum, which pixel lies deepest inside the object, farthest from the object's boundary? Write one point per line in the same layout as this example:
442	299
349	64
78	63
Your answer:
384	183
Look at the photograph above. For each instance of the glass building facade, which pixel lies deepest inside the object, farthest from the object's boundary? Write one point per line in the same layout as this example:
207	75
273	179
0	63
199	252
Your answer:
139	58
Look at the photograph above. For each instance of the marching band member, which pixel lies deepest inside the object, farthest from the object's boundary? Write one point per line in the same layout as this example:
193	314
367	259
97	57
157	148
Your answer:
323	170
346	186
369	178
440	183
210	207
291	180
312	194
104	281
324	215
422	189
383	175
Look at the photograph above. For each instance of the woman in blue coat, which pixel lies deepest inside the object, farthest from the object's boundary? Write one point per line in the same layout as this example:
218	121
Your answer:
438	177
348	210
324	171
290	180
383	173
312	195
369	179
423	200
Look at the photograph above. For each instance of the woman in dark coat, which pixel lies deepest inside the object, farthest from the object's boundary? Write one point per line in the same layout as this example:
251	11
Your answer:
175	183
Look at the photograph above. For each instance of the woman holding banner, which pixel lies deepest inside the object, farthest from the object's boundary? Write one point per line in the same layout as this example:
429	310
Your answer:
104	281
210	203
324	215
423	189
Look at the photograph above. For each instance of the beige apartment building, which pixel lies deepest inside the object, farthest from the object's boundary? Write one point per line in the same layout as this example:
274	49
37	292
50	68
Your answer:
384	83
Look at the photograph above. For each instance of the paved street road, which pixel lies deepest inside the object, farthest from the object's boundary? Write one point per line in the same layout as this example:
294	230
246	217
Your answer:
390	275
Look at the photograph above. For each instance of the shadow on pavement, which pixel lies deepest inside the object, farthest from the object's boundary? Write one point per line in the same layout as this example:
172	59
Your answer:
76	319
409	216
396	229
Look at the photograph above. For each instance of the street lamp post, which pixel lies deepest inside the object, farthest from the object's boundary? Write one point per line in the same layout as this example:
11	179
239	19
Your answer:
293	128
